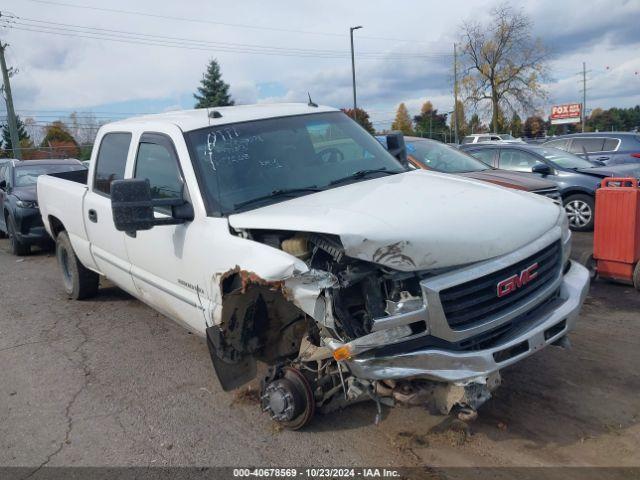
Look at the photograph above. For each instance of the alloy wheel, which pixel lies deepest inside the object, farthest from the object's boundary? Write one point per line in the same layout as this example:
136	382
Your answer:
579	213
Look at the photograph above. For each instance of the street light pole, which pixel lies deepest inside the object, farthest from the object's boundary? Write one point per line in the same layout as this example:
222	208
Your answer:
353	69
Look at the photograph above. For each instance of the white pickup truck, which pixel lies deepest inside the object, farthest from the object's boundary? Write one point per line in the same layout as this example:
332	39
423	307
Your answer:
287	235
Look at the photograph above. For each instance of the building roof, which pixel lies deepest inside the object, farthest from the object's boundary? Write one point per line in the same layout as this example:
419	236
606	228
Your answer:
188	120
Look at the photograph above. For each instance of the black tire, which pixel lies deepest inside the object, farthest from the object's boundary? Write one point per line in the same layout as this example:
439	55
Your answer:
79	282
636	276
581	212
17	247
590	264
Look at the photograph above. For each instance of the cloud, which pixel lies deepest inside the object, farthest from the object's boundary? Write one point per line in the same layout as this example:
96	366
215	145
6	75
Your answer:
58	72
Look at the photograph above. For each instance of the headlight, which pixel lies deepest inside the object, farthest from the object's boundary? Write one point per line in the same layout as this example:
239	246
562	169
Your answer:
563	222
26	204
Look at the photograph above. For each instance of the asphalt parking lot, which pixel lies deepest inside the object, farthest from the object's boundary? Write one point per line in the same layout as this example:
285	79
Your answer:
110	382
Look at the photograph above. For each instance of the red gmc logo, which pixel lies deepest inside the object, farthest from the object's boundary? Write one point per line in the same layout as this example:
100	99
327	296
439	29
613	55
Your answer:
513	283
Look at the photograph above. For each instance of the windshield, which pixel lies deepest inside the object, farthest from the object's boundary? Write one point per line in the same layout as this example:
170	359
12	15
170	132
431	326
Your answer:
563	159
240	162
28	175
443	158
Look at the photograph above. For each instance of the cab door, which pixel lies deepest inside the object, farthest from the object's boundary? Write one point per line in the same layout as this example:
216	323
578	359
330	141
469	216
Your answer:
159	264
107	244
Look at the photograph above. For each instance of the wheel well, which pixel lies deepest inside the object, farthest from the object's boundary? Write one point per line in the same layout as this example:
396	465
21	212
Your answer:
577	192
56	226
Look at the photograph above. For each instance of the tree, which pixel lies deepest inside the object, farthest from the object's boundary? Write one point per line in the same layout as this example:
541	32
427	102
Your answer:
402	121
515	125
362	117
460	120
430	122
213	91
534	127
503	66
6	137
58	142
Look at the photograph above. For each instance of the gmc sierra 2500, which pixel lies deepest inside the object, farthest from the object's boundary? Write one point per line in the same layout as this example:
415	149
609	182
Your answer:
286	234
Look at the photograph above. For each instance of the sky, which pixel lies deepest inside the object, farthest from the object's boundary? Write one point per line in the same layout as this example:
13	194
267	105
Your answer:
279	51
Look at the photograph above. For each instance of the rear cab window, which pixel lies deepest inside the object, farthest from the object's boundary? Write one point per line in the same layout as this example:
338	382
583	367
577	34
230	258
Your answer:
610	144
111	161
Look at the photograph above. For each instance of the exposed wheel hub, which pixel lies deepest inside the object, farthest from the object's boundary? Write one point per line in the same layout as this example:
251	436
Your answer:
282	400
287	398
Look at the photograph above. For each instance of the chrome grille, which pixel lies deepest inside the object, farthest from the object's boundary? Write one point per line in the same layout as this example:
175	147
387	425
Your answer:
474	302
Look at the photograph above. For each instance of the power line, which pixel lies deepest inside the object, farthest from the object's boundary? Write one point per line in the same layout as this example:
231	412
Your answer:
212	22
194	45
29	22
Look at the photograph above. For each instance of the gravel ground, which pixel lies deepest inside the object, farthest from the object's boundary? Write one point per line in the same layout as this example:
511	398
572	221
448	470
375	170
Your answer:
110	382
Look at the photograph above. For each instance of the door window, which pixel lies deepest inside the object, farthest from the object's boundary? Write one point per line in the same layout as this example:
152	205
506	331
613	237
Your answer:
158	163
517	160
111	161
579	145
486	155
610	144
562	144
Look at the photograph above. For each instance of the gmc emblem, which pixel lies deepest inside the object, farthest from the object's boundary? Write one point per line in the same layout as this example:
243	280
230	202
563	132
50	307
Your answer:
513	283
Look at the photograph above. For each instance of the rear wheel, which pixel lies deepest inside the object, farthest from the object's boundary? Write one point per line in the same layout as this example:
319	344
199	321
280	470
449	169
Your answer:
636	276
590	263
17	247
79	282
580	210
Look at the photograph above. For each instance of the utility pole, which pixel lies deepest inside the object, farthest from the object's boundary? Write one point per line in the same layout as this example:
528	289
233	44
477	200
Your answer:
353	69
11	114
584	93
455	91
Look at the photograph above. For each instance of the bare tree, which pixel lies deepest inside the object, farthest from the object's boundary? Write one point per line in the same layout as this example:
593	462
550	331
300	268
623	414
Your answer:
503	65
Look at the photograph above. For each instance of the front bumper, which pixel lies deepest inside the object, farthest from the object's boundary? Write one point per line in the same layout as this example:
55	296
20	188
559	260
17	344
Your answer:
29	227
549	325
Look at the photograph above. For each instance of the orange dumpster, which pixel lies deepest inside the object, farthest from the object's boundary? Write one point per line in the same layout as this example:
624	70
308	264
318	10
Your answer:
616	238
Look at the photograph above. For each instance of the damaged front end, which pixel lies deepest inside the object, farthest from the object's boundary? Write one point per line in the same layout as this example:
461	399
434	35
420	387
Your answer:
346	330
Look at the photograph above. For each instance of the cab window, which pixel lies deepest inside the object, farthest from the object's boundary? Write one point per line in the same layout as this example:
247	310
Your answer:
111	161
157	162
486	155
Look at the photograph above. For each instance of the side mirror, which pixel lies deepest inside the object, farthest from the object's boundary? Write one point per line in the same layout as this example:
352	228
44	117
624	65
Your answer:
132	206
3	184
397	147
541	168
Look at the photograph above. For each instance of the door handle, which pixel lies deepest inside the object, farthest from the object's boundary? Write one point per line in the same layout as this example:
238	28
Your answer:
93	216
602	158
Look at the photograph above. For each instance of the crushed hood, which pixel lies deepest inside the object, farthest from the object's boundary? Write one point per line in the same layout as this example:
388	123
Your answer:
632	170
417	220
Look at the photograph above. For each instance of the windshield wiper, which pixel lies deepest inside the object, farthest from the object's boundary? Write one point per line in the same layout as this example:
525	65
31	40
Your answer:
363	174
282	192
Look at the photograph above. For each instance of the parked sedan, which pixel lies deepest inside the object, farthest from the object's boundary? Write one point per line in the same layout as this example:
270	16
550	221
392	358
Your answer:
576	177
20	219
434	155
612	148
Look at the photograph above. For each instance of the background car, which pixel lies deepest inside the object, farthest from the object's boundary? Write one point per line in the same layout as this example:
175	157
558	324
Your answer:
576	177
20	219
489	137
612	148
434	155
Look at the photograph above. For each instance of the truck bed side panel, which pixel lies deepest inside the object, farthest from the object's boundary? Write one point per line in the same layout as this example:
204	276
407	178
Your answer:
64	199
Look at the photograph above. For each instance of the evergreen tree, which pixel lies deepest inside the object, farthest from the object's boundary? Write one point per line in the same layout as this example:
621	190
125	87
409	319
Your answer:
516	125
6	136
213	91
362	117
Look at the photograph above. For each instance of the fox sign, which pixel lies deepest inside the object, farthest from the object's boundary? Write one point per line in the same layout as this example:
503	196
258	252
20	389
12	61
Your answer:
569	113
